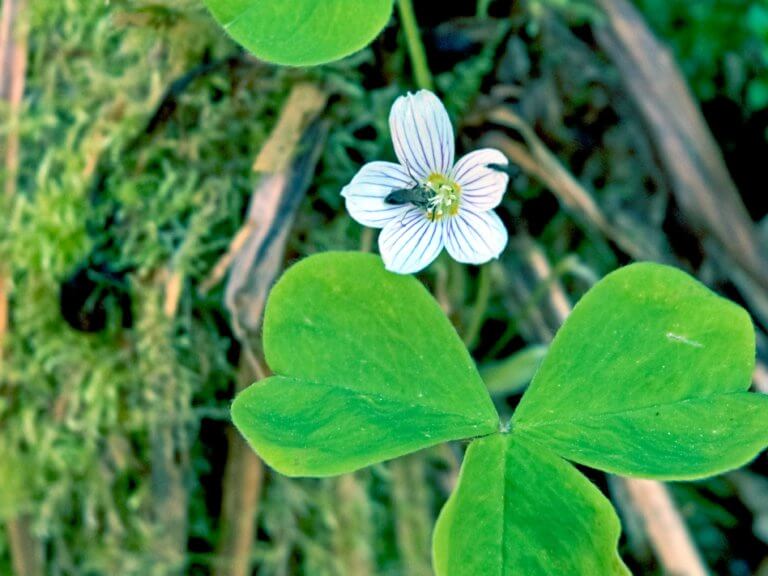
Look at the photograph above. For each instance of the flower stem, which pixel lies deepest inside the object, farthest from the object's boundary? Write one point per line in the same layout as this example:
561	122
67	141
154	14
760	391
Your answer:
415	47
481	305
366	240
482	8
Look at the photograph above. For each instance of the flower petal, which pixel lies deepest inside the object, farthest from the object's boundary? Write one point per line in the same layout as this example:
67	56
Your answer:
410	243
365	194
422	134
475	237
481	187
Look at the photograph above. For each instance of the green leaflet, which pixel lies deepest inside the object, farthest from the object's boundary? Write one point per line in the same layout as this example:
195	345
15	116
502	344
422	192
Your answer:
648	378
520	509
369	368
302	32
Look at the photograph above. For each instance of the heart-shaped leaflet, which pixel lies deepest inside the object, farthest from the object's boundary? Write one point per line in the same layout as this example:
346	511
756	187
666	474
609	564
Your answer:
367	368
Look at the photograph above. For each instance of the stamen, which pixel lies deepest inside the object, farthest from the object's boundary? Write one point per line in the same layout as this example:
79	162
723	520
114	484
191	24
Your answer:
445	200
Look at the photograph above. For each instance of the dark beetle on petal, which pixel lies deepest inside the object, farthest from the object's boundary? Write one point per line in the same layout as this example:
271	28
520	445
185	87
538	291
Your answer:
420	196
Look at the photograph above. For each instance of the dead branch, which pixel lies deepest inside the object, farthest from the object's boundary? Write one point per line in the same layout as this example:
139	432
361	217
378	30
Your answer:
686	148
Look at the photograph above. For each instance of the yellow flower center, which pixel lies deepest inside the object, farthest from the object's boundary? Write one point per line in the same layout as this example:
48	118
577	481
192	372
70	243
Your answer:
445	201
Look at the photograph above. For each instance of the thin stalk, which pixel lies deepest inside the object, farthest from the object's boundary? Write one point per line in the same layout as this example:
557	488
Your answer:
366	240
415	47
457	282
413	517
481	306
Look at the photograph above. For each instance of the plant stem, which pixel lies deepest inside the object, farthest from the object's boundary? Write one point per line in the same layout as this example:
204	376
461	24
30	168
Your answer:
415	47
413	518
481	305
366	240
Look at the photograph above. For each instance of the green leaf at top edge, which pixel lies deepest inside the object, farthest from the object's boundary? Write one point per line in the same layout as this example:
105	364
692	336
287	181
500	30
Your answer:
302	32
367	368
647	377
520	509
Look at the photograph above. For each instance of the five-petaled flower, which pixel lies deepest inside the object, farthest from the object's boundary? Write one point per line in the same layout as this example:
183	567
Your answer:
426	202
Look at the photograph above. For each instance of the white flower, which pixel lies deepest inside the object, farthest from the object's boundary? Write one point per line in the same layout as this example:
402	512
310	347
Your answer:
426	202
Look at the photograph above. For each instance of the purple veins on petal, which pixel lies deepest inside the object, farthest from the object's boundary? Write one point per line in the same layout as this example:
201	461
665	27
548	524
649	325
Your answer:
412	243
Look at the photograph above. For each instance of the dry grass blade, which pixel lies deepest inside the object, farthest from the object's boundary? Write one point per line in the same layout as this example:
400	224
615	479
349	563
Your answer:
13	66
535	159
273	205
25	550
256	257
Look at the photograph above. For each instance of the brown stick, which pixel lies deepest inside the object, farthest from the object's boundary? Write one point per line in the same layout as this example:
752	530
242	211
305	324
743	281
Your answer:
221	268
241	491
686	148
258	253
272	208
663	523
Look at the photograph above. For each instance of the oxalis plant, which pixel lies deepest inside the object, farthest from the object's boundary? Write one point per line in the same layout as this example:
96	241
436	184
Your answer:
647	378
